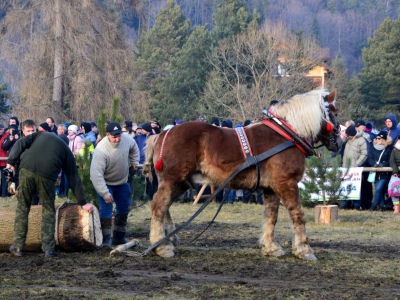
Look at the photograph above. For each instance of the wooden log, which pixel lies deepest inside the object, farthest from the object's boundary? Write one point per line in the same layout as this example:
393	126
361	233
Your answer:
76	229
326	214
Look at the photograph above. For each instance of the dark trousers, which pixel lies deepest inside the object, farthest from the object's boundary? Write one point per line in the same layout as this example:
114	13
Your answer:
4	183
29	183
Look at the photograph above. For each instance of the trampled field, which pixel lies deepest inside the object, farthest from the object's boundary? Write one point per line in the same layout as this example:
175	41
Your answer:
358	258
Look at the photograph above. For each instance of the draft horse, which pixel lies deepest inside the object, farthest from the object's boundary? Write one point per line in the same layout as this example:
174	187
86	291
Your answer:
196	152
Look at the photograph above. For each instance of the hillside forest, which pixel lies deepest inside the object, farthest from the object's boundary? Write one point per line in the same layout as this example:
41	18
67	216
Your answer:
192	59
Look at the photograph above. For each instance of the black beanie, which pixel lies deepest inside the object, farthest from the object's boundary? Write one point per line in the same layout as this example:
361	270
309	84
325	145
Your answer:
87	126
215	122
45	126
147	126
351	130
247	122
227	123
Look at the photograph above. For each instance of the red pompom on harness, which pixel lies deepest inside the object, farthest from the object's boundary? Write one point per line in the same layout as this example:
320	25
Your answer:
159	164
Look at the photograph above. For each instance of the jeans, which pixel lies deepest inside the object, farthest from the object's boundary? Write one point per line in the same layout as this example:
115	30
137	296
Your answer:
121	195
4	183
231	195
380	190
259	196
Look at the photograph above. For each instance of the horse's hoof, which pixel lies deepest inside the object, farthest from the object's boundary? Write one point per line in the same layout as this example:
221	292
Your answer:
278	252
310	257
165	251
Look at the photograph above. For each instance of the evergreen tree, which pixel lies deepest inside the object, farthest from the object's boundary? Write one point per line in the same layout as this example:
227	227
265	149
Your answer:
185	83
324	177
157	48
380	78
232	17
4	107
315	31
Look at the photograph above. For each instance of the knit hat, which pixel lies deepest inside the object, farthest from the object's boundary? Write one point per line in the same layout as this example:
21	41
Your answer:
147	126
382	134
215	122
128	124
273	102
93	124
87	126
247	122
1	126
179	122
351	130
74	128
113	128
360	123
45	126
227	123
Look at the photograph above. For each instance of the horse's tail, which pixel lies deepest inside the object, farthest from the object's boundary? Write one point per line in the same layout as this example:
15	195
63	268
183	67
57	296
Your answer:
149	151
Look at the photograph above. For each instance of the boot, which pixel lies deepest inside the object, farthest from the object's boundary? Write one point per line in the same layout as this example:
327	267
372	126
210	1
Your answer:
106	230
396	208
120	222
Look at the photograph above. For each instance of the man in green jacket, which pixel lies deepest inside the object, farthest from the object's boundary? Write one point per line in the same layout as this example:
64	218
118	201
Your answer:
39	157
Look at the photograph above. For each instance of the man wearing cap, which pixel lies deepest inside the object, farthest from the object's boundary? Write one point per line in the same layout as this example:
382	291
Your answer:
356	152
38	173
109	174
3	163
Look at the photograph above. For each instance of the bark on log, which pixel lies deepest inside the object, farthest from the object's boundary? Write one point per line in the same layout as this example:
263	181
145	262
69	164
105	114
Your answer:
326	214
76	229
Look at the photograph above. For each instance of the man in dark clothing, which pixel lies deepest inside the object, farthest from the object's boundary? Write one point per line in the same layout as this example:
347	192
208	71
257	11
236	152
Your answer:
38	173
52	126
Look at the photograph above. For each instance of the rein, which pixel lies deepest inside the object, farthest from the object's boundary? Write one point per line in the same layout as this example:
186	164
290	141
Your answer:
250	161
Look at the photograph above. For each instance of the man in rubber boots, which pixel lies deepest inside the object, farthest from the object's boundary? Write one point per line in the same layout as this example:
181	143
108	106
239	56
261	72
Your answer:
39	157
109	171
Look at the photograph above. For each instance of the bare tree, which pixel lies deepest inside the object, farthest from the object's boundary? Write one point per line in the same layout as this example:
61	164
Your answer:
66	58
253	68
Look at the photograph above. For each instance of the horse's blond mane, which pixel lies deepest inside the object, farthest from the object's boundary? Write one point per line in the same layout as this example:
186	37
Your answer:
303	112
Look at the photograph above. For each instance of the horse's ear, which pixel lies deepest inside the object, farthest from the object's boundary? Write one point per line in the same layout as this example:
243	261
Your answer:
331	97
332	107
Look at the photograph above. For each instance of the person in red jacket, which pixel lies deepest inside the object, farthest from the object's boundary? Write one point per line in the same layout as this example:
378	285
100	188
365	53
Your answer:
3	163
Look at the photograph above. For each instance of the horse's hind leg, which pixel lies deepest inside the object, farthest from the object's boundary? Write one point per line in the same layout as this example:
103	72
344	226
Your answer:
271	208
291	199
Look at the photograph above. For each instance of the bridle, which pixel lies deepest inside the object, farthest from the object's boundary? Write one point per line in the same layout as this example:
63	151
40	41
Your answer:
329	127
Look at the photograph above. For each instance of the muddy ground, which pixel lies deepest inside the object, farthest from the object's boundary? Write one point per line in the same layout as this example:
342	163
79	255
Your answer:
358	258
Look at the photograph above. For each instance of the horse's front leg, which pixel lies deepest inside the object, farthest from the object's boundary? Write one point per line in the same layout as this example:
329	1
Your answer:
291	199
267	241
169	227
159	219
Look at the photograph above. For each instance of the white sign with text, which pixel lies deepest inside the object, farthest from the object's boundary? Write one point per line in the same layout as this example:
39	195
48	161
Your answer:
352	181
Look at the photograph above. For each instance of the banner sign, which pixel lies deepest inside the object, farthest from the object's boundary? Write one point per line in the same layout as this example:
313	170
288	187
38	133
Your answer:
351	180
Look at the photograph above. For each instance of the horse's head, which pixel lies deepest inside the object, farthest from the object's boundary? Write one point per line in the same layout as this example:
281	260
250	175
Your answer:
329	134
